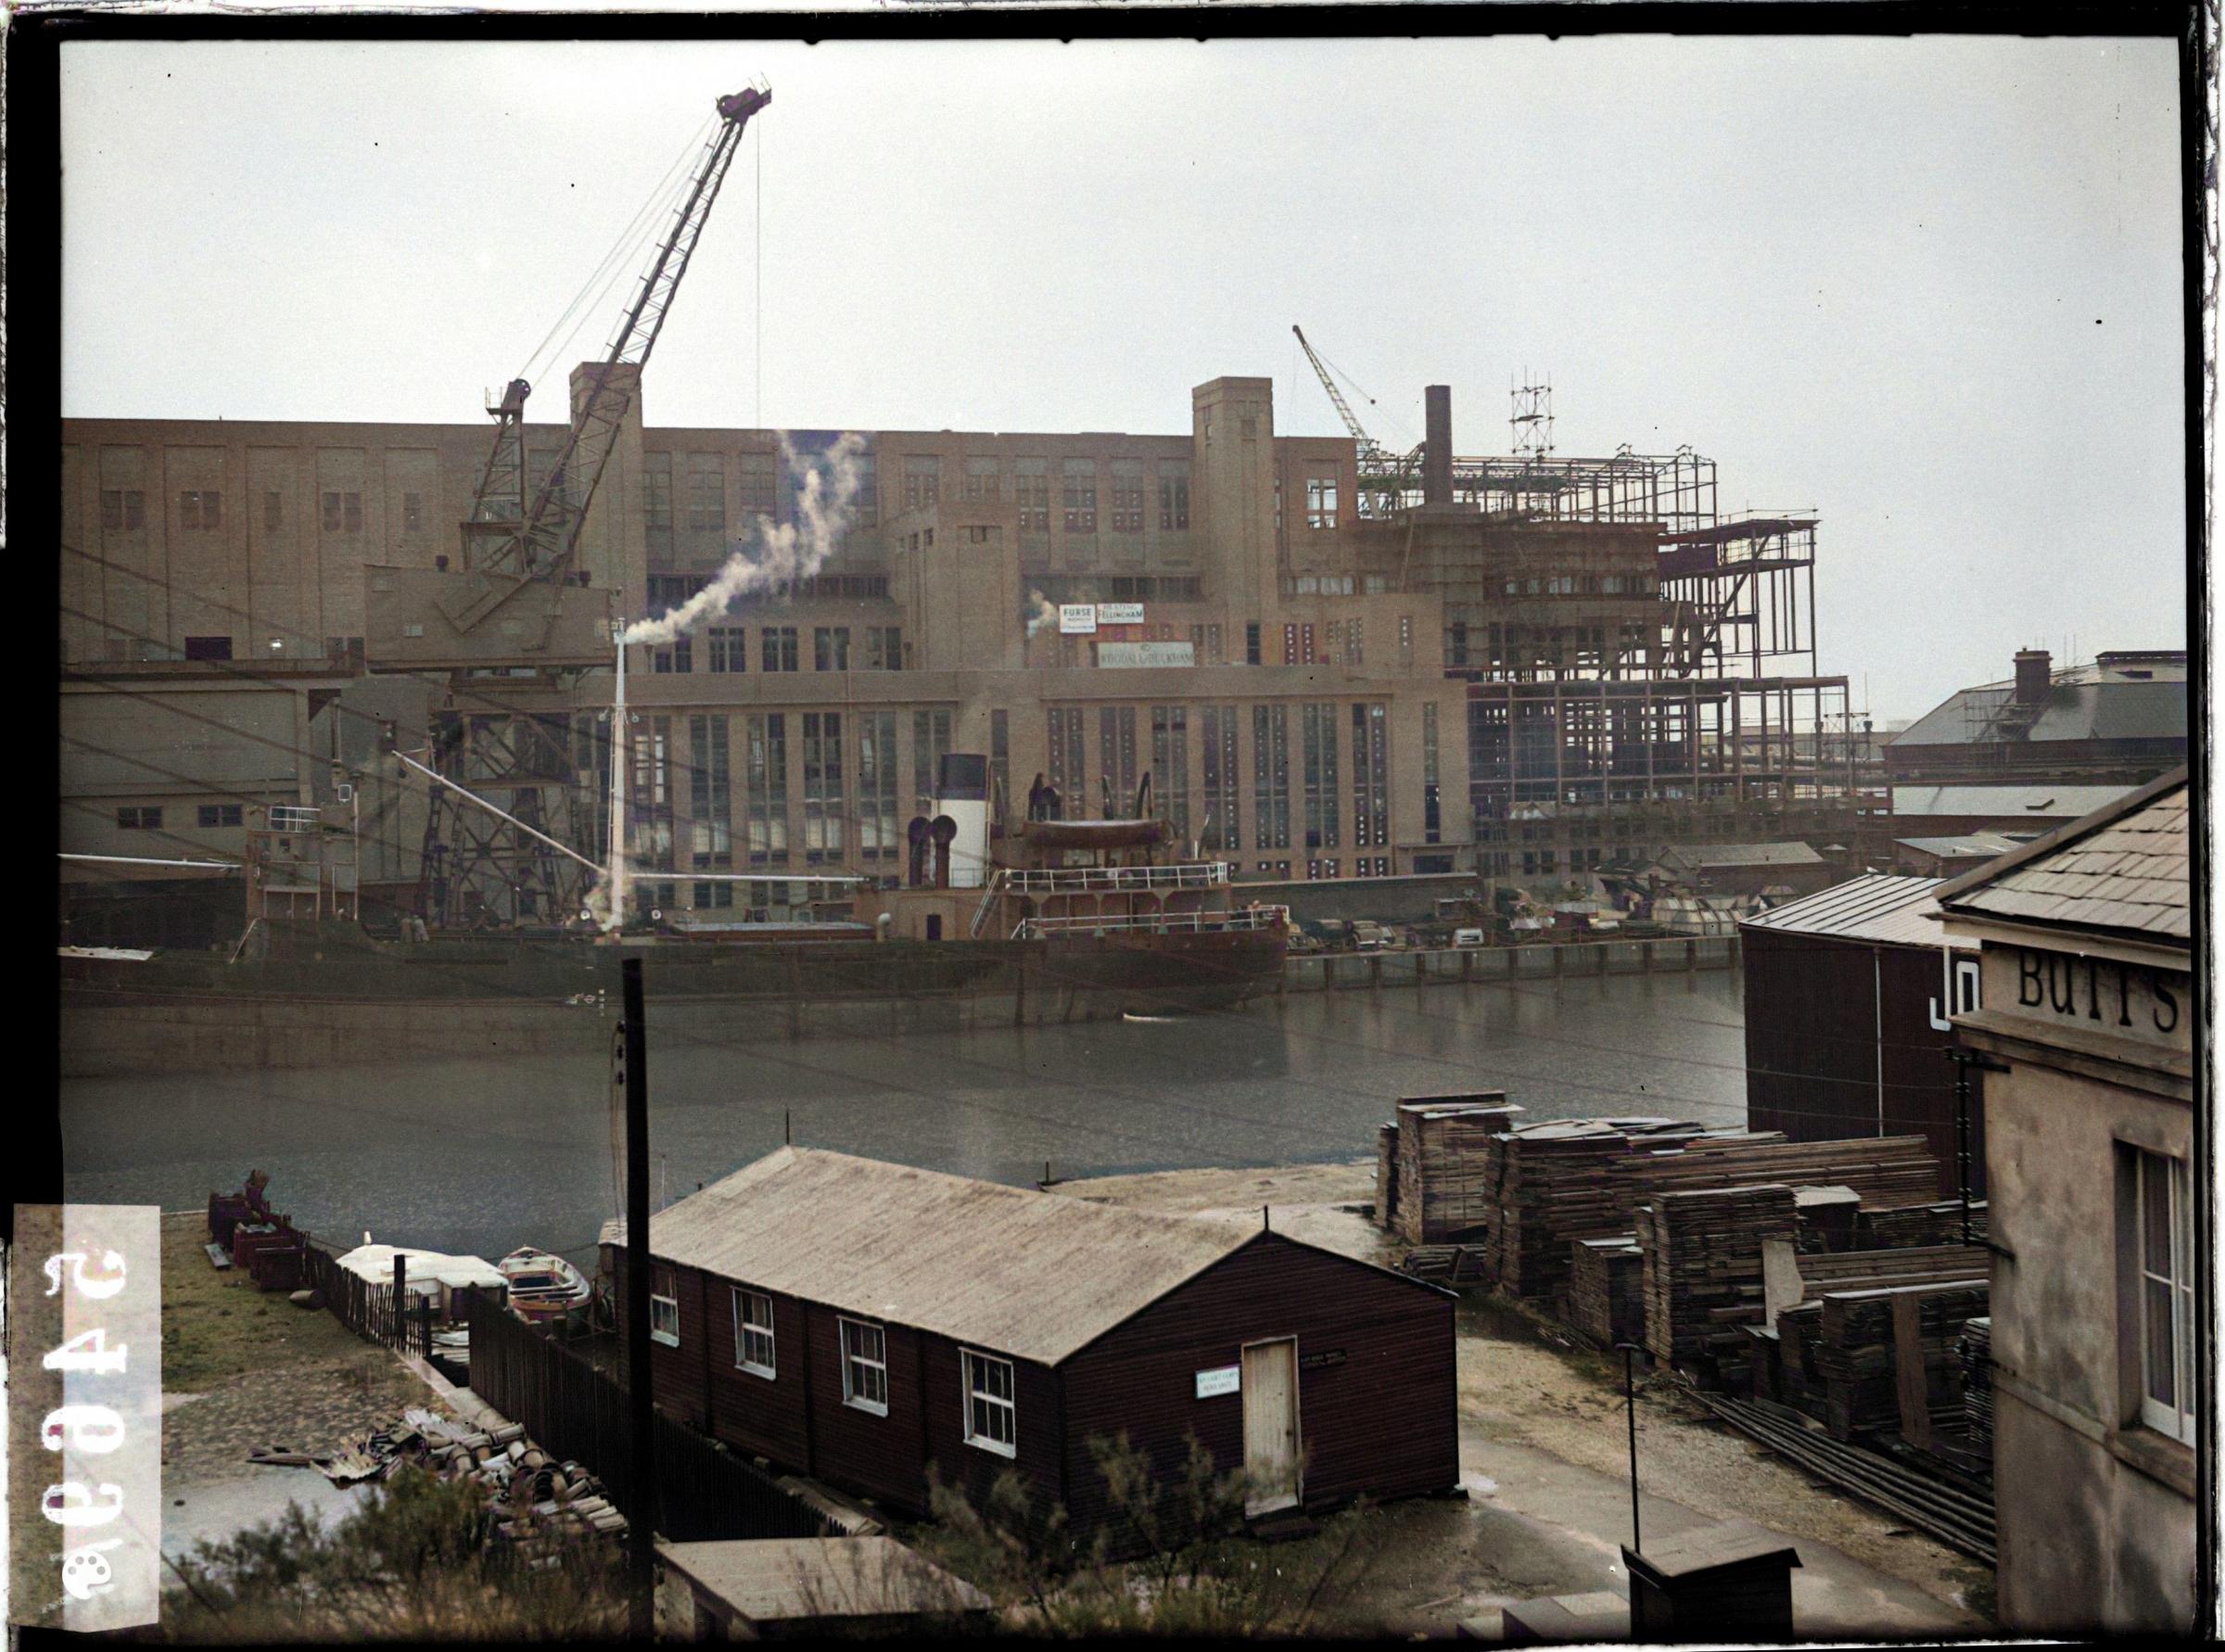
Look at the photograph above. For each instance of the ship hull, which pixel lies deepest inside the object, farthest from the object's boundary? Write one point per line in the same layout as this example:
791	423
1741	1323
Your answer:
349	999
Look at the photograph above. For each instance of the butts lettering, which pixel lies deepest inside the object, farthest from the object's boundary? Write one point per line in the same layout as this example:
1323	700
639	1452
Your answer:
93	1429
2053	981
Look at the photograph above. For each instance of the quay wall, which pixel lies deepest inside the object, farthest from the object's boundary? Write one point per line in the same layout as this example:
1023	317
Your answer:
1335	972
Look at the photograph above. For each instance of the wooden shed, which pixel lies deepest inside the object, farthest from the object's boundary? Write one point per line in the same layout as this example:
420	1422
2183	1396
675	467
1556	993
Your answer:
858	1321
1846	999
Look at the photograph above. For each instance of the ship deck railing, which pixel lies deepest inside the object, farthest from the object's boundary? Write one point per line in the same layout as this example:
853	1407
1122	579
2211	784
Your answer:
1153	924
1114	880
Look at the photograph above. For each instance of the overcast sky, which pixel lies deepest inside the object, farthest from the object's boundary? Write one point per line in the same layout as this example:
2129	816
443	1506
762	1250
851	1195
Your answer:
1929	289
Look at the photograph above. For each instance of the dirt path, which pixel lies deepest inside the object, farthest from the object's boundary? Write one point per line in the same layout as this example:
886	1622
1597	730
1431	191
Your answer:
1546	1416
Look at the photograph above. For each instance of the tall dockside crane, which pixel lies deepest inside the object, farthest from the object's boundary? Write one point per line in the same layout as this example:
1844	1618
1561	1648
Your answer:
522	612
1381	471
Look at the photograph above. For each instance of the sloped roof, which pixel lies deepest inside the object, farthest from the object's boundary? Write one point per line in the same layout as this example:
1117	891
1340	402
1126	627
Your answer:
2039	802
2104	710
1875	908
1968	846
1037	1275
2122	869
1792	854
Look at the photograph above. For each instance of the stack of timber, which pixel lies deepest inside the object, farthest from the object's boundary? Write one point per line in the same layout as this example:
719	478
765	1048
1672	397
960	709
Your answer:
1826	1217
1606	1289
1856	1355
1884	1169
1551	1184
1702	1269
1885	1227
1441	1164
1792	1375
1976	1351
1445	1265
1386	1177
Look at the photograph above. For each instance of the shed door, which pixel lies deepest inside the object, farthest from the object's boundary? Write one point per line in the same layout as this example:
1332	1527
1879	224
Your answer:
1270	1387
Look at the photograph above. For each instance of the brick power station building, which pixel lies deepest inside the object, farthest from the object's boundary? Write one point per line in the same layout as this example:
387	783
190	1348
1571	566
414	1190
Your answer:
1330	662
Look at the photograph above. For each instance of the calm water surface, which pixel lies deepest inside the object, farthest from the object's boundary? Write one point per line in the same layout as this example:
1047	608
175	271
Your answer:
484	1155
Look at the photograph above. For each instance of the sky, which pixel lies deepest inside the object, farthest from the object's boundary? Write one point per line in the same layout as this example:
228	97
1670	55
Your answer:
1928	289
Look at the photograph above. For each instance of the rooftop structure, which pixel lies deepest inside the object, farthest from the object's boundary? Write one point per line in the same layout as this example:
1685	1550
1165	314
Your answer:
2121	719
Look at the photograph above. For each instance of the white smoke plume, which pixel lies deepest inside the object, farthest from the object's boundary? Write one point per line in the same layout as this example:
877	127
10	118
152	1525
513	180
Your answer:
1043	614
783	552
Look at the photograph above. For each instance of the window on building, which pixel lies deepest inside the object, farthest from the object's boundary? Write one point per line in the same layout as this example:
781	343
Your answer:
710	797
1270	777
991	1418
208	648
1031	491
343	511
1221	833
1170	765
777	647
706	494
930	741
825	808
679	657
664	1308
768	789
981	481
1370	774
1066	775
1001	757
656	499
753	1333
1173	499
883	648
1320	501
139	818
877	836
273	510
1116	754
831	648
710	896
727	654
869	490
1323	805
1078	495
1252	642
757	483
219	814
2161	1239
201	509
864	1366
1432	821
923	480
412	513
1456	644
1127	496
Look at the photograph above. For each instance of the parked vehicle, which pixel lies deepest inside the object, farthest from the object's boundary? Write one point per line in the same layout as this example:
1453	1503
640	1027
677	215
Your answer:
1368	935
1467	937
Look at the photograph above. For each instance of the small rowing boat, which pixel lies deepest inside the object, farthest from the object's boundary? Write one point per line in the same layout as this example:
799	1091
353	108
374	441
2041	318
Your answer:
542	1286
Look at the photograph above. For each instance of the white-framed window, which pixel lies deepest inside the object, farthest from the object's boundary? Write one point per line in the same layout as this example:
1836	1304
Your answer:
864	1366
753	1332
2163	1232
992	1422
664	1308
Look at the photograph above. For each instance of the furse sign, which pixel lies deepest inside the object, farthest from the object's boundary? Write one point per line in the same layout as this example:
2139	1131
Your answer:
1078	619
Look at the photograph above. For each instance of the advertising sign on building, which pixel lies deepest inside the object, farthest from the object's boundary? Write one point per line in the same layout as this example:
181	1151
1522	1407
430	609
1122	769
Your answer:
1078	619
1119	614
1147	654
1227	1379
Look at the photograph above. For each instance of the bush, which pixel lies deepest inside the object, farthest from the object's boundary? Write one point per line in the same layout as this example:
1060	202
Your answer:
420	1561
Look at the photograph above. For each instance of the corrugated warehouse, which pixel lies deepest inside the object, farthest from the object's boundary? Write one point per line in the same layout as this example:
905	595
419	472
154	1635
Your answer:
859	1321
1846	997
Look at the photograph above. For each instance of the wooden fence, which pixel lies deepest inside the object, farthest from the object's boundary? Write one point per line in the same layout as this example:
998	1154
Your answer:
702	1490
374	1311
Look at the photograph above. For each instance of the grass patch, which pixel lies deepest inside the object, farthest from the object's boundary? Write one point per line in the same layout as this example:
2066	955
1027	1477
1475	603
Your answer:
216	1325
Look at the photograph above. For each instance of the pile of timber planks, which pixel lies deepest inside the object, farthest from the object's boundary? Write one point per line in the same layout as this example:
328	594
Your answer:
1386	1177
1445	1265
1551	1183
1606	1289
1975	1351
1440	1165
1797	1379
1885	1227
1855	1353
1702	1268
1885	1170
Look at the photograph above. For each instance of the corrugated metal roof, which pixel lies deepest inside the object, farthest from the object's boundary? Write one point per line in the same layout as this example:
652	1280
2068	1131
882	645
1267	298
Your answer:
1037	1275
1969	845
2040	803
2123	867
1875	908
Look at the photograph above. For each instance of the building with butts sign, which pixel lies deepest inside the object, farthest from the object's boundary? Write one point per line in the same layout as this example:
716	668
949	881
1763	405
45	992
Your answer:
864	1322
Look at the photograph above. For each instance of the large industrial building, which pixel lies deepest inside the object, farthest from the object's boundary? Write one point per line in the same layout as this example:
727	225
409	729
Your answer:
1331	663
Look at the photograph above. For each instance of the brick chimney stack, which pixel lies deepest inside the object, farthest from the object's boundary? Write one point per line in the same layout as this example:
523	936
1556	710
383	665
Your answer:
1437	450
2032	676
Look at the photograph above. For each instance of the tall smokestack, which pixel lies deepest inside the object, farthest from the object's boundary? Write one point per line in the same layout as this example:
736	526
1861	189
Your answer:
2032	676
1437	452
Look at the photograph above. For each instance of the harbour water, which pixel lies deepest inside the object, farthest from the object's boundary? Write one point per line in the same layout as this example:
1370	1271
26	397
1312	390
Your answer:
485	1155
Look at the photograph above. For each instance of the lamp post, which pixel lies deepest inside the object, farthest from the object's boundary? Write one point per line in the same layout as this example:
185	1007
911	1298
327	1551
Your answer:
1630	1405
